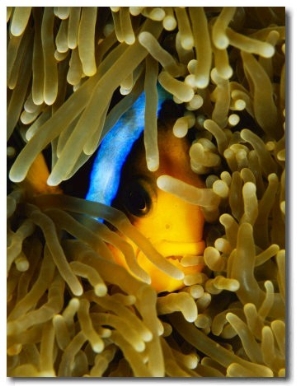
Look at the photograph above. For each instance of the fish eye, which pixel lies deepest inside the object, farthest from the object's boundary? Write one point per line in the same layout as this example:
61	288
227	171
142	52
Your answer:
136	199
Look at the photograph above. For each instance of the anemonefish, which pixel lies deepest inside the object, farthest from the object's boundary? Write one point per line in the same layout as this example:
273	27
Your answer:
120	178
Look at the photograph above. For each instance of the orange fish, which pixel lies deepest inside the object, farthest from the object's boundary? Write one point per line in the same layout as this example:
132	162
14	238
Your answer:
174	227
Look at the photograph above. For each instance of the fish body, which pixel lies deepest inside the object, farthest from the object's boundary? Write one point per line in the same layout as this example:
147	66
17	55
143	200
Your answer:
114	149
120	177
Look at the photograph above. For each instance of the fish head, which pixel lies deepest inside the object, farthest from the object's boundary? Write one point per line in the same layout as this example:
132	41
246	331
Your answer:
172	225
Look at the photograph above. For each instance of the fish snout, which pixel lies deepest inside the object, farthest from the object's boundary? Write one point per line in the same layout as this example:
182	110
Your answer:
173	252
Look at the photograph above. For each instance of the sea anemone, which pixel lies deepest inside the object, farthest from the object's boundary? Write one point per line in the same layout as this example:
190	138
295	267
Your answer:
72	311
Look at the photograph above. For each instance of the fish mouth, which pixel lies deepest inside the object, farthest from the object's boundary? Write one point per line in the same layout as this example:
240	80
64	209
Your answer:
178	258
185	257
175	250
186	261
